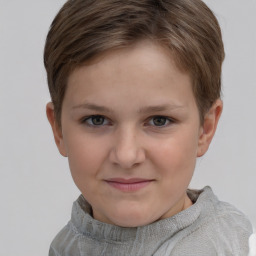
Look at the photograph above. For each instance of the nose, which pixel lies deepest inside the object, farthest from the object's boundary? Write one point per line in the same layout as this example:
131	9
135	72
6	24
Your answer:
126	151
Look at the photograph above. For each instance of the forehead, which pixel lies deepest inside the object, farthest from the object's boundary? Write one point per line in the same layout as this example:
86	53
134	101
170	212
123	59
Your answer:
144	54
144	71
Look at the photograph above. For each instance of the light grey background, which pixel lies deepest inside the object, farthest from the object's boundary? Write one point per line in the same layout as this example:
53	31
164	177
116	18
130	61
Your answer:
36	189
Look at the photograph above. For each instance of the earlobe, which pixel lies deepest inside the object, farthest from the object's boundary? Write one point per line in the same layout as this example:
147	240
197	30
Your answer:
209	127
57	133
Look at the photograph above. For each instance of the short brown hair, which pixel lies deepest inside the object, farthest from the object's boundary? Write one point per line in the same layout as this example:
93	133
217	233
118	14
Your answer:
83	29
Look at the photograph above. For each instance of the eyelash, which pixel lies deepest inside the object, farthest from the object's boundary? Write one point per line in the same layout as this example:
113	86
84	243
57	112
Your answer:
86	119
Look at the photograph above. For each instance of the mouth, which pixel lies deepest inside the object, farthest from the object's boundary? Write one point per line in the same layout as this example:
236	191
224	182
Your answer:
128	185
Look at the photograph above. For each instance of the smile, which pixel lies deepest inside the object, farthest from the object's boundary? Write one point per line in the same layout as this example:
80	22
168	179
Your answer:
128	185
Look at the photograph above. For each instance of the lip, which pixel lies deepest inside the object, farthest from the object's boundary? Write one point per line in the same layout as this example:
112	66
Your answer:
128	185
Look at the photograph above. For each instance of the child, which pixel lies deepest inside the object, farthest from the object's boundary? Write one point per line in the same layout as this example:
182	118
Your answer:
135	88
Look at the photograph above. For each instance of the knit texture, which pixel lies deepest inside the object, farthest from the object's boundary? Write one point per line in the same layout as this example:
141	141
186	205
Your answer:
209	227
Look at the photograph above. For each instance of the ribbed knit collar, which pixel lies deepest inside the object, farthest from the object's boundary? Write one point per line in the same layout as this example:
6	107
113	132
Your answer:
160	230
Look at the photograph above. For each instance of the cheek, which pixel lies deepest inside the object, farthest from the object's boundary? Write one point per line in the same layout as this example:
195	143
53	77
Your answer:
85	158
177	155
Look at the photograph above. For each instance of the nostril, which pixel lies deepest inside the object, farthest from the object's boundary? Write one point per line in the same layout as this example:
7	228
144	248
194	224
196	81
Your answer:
127	157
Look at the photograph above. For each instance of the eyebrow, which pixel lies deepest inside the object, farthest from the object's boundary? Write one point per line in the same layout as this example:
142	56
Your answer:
159	108
147	109
93	107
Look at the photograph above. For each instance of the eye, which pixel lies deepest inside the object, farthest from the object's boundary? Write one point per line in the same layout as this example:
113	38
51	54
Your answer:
96	120
160	121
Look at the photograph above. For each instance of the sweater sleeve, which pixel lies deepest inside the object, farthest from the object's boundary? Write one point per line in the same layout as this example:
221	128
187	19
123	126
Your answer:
66	243
224	233
52	252
227	235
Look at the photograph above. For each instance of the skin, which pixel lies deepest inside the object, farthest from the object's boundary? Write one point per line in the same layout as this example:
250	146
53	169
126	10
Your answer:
131	140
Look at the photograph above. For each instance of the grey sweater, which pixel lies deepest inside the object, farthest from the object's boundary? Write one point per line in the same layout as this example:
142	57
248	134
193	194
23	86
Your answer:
209	227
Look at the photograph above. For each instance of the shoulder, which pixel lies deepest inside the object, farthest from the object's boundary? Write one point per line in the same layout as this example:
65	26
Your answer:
65	242
221	229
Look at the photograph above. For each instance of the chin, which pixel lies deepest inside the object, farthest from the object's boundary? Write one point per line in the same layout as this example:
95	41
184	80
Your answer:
130	223
130	219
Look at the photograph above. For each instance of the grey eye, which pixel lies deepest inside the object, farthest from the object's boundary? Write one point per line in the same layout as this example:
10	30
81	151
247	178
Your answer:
159	120
97	120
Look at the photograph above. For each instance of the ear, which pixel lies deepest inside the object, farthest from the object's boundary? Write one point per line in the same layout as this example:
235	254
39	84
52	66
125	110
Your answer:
57	133
209	127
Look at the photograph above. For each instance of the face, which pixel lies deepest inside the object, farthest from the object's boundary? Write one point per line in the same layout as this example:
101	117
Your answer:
131	131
